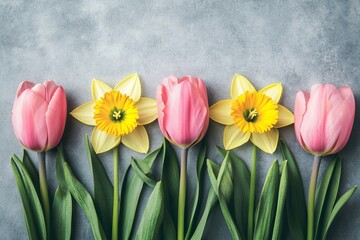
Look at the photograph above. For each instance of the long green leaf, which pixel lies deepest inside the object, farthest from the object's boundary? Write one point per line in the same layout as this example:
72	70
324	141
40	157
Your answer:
170	179
103	189
265	212
130	195
326	196
61	214
153	215
338	206
143	170
34	175
34	217
279	216
295	199
223	185
209	206
241	175
199	186
83	198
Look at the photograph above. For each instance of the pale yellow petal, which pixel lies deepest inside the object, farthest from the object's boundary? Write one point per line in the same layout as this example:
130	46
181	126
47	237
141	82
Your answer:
240	85
273	91
286	117
130	86
221	112
147	110
266	141
234	137
98	89
102	141
85	113
137	140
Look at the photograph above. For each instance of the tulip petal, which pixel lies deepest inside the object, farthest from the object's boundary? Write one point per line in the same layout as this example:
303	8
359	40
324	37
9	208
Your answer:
301	101
170	82
51	88
102	141
40	89
274	91
85	113
130	86
98	89
137	140
267	141
28	118
199	84
240	85
313	131
147	110
234	137
56	117
286	117
340	119
23	86
189	115
161	99
221	112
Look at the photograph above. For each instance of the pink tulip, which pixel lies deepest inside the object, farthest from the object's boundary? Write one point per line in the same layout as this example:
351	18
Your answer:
183	110
39	115
324	118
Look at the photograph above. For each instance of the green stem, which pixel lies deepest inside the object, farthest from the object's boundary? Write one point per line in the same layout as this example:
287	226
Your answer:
252	194
115	222
182	194
311	197
44	192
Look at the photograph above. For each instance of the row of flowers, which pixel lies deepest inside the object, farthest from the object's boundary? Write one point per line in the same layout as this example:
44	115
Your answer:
323	121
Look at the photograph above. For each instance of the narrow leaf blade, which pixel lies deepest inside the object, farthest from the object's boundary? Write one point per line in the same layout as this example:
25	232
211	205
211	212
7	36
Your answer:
295	199
62	214
153	215
338	206
281	202
199	186
103	189
83	198
265	212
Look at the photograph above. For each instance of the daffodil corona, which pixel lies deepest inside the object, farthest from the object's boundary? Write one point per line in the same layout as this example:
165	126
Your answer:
254	112
116	114
251	114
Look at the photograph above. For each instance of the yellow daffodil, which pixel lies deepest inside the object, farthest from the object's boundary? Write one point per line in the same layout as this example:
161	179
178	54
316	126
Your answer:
118	115
251	114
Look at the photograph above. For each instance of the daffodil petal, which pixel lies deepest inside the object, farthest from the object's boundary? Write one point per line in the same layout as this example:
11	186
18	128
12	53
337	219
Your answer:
240	85
147	110
234	137
273	91
131	86
98	89
102	141
137	140
85	113
221	112
266	141
286	117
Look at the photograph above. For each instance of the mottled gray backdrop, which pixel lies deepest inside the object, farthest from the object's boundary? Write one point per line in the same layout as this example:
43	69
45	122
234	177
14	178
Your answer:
298	43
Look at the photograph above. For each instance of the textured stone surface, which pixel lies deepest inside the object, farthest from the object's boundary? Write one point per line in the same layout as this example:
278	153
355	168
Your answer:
298	43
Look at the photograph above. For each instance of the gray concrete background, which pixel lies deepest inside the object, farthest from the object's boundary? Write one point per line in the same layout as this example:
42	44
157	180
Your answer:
298	43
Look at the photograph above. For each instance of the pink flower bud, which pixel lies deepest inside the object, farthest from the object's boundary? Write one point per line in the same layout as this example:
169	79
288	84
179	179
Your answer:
324	118
39	115
183	110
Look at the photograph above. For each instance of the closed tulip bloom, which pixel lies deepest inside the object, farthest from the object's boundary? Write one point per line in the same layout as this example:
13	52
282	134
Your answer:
324	118
183	110
39	115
